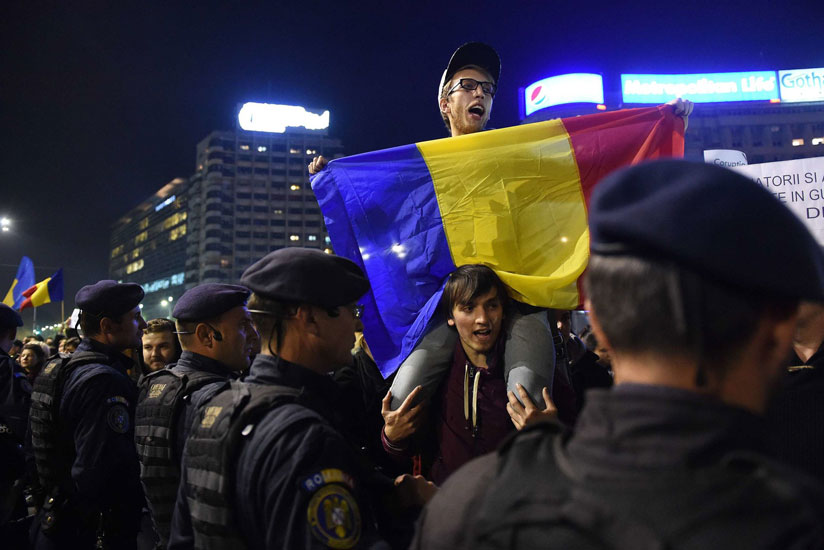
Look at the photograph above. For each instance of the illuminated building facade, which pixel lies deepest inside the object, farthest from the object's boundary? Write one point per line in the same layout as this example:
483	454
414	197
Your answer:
251	194
148	247
769	115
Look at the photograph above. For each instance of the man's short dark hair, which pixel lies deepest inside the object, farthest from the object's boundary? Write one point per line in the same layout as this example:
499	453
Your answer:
467	283
156	326
90	322
646	306
273	322
74	341
159	325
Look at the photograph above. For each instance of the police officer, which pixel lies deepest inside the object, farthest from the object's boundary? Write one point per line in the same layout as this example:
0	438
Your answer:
15	399
82	424
217	337
694	282
296	481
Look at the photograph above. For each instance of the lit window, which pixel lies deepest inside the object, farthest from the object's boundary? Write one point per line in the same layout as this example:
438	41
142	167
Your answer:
261	148
294	151
244	146
225	263
117	251
144	223
327	250
294	237
818	141
798	142
135	253
312	237
328	240
278	211
295	187
134	266
141	238
177	232
311	151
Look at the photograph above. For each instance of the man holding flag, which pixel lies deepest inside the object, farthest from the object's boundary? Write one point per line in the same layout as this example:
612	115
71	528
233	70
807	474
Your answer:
504	199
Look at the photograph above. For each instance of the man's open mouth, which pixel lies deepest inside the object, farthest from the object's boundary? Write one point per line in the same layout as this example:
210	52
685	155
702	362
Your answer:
477	110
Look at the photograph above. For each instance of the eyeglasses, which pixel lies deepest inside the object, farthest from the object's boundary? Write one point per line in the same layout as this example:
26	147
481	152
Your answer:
470	84
356	309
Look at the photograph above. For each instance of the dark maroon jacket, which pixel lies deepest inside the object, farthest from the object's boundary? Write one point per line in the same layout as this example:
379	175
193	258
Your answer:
449	441
457	442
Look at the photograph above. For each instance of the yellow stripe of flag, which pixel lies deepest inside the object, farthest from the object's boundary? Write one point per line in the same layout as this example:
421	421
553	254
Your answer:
41	295
503	195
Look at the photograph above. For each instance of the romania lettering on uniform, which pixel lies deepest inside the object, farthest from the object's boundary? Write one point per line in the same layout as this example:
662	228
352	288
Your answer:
327	476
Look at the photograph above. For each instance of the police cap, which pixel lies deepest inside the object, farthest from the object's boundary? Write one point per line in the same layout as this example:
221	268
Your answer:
209	300
306	275
711	220
9	318
109	298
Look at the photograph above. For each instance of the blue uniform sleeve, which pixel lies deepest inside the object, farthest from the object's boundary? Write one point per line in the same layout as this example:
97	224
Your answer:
299	487
99	408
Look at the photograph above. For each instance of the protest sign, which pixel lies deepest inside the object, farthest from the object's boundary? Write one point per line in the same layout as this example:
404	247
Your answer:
797	183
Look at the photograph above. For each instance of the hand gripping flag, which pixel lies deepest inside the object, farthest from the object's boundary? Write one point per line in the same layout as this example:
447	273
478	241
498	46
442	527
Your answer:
22	281
46	291
514	199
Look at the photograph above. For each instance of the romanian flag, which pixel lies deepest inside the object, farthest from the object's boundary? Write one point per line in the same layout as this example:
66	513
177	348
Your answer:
46	291
514	199
22	281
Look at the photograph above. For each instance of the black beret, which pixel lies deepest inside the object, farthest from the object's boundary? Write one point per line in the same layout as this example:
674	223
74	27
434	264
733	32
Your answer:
9	318
711	220
109	297
306	275
209	300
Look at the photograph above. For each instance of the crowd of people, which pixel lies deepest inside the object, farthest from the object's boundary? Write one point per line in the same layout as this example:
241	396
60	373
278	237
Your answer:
685	415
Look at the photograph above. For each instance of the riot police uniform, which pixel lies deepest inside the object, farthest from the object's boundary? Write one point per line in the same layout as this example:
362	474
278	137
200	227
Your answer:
15	399
83	437
295	479
169	397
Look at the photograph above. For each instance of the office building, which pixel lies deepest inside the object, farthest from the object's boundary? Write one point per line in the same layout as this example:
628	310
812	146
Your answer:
148	247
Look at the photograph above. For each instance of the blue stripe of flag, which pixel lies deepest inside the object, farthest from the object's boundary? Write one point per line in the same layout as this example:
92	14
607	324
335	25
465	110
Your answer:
381	212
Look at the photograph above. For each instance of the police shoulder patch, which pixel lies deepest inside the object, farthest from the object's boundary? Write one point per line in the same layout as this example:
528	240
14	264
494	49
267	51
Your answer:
334	517
118	418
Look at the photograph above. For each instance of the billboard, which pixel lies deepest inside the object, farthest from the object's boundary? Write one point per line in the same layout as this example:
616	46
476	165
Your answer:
266	117
700	88
565	88
801	85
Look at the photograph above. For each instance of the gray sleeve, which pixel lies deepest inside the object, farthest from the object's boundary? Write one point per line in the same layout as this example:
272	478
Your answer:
427	364
529	357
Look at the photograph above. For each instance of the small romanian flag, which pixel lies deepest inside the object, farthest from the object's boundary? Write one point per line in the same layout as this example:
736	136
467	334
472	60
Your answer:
514	199
22	281
46	291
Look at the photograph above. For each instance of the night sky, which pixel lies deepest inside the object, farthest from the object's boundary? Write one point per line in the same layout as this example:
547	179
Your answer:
100	107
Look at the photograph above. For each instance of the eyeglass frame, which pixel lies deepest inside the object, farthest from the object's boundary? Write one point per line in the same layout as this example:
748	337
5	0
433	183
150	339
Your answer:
480	83
356	309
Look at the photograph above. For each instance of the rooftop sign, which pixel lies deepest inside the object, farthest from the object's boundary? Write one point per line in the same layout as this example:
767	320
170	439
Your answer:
565	88
700	88
266	117
801	85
